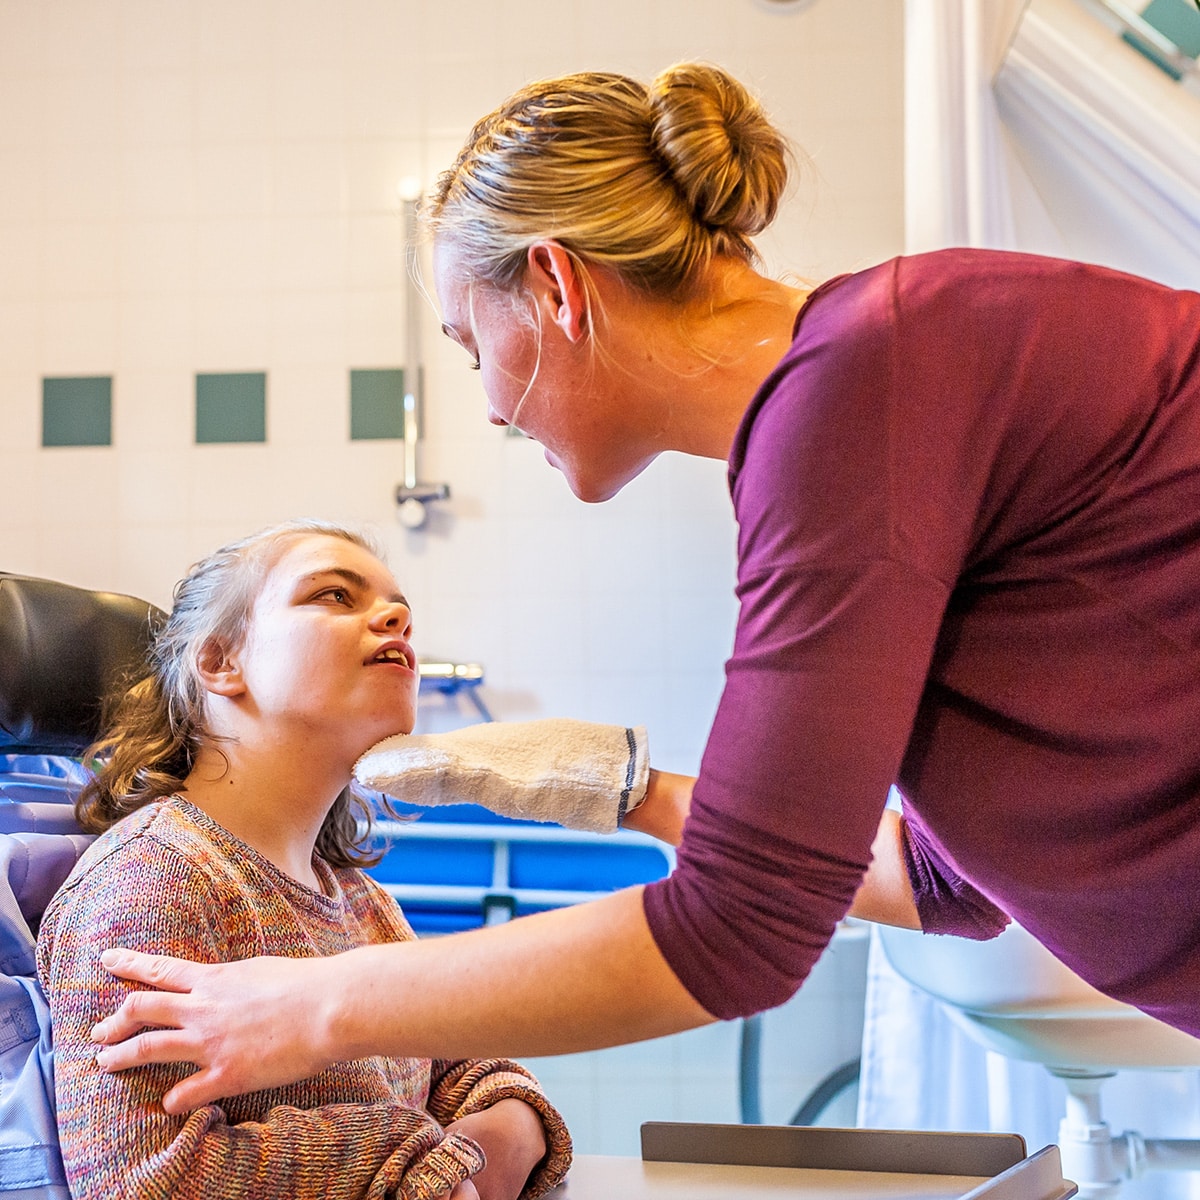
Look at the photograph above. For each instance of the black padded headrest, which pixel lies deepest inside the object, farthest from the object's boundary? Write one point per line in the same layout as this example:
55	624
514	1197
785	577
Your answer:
63	650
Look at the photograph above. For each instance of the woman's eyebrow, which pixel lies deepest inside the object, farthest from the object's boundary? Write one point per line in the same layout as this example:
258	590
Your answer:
356	579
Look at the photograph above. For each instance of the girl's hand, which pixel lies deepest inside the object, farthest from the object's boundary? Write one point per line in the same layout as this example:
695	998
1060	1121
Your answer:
463	1191
511	1136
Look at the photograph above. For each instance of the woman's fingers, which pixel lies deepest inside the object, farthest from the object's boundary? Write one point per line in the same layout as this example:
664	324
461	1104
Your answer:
129	1048
195	1091
137	1049
138	1010
158	970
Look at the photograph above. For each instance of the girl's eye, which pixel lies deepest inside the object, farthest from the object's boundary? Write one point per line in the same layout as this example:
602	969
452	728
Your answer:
337	595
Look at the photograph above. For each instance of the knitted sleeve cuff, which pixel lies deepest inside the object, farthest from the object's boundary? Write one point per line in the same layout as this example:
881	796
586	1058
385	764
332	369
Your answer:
473	1086
435	1172
552	1170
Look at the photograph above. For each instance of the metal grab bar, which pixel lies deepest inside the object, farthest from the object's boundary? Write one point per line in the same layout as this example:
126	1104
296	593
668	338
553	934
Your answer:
450	678
412	496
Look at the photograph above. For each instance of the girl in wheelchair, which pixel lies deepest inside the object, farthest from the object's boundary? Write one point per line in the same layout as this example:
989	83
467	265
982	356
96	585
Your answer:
228	830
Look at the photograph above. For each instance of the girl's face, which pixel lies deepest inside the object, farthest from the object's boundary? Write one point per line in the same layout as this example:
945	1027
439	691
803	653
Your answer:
550	389
327	653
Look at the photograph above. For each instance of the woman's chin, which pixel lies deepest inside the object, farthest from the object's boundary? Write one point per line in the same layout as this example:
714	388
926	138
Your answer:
593	489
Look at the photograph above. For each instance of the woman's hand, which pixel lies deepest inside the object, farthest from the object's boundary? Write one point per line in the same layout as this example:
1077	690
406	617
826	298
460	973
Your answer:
272	998
511	1136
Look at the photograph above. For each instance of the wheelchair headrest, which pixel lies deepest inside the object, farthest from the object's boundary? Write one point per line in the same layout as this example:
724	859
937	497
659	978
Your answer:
63	650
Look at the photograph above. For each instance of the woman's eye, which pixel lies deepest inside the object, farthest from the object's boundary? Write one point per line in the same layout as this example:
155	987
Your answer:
337	595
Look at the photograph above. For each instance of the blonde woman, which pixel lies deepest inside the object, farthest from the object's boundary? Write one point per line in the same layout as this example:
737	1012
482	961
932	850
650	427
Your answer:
228	831
967	487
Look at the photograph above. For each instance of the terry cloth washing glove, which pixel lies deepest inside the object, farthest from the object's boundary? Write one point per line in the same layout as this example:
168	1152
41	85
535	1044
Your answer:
577	774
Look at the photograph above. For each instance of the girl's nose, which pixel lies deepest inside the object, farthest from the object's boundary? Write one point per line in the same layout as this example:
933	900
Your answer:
393	615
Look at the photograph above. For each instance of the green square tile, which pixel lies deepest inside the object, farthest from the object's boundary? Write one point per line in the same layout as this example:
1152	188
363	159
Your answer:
231	407
1177	20
376	404
77	411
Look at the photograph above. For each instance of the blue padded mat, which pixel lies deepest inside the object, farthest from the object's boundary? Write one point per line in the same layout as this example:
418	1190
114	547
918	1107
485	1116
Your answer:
593	865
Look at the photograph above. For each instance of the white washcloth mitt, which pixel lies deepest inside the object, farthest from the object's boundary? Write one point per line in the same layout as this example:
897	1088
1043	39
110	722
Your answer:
577	774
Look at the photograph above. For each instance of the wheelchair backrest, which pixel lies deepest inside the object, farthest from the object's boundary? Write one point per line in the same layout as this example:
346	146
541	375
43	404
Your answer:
63	650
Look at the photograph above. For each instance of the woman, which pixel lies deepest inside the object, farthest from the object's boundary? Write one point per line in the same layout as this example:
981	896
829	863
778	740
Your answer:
228	831
968	493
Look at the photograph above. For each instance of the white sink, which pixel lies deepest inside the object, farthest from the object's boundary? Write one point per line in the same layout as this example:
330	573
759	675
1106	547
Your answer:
1015	997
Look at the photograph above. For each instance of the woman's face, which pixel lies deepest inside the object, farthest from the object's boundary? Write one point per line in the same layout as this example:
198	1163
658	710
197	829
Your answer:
548	387
327	653
501	339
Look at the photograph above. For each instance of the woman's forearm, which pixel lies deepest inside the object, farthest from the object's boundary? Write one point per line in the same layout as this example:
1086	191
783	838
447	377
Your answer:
572	979
886	894
552	983
665	808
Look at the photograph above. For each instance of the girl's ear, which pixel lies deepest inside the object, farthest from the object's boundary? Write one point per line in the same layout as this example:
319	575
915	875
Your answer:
558	288
219	669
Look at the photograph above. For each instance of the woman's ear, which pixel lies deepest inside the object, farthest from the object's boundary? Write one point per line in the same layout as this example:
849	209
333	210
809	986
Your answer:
558	288
219	669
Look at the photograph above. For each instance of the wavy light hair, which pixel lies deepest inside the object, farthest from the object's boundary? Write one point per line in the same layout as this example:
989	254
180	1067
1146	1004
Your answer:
155	728
653	181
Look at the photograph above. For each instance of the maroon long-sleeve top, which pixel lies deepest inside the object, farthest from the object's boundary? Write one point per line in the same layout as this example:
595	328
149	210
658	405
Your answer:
968	502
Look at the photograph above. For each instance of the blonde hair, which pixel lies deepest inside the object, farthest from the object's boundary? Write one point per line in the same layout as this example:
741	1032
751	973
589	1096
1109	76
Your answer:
154	729
652	181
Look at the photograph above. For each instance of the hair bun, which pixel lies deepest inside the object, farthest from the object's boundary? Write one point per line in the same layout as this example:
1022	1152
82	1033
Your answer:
725	158
655	182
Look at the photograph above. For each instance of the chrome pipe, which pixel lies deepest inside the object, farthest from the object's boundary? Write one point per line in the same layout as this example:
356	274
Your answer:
412	496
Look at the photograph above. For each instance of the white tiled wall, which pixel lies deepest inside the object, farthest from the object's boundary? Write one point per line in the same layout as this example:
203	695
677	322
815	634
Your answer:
211	185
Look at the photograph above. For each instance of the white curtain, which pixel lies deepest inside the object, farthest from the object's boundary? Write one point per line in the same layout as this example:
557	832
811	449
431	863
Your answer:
1030	126
1103	166
1021	134
955	174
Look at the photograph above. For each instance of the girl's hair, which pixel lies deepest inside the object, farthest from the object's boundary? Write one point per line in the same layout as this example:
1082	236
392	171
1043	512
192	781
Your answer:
154	729
653	181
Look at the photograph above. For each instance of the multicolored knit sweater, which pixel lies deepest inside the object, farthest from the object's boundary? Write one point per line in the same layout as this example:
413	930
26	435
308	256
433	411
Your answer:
170	880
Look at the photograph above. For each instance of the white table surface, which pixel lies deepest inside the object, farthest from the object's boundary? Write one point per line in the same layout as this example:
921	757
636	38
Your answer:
597	1177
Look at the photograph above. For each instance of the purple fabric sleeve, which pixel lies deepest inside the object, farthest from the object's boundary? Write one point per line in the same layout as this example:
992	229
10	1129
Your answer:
968	545
946	902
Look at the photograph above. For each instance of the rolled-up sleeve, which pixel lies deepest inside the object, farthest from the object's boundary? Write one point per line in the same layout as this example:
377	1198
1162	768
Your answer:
807	740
